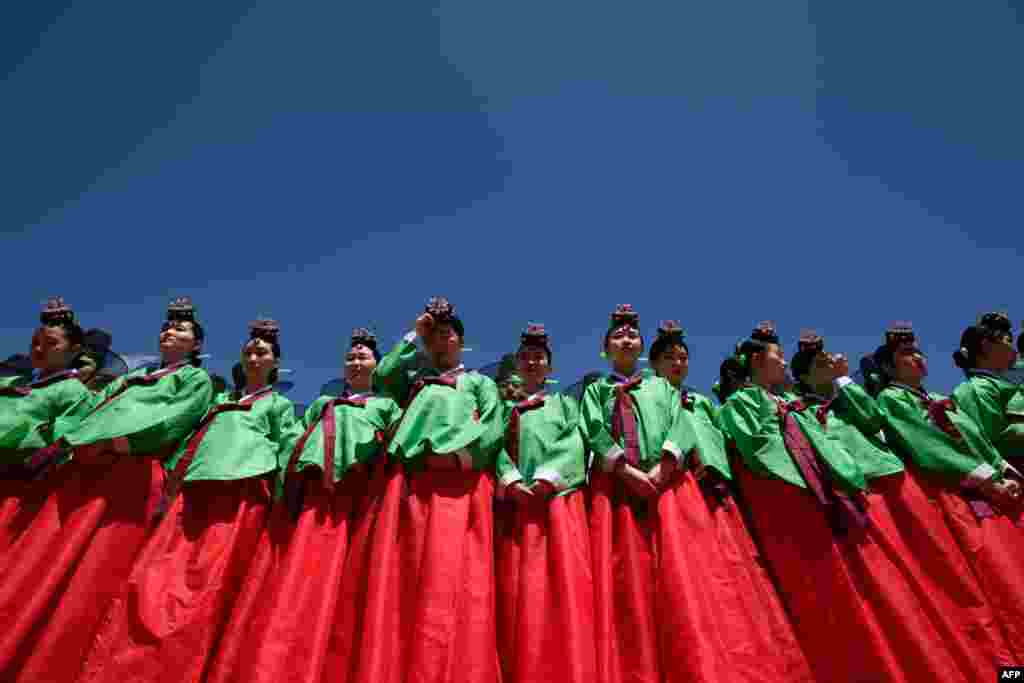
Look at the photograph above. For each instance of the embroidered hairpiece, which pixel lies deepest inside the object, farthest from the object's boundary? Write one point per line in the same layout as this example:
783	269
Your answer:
672	330
765	332
266	329
900	333
362	336
181	308
56	311
534	335
810	341
624	316
440	309
997	321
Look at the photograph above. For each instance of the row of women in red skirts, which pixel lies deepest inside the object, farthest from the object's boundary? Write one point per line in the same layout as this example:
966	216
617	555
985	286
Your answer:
455	554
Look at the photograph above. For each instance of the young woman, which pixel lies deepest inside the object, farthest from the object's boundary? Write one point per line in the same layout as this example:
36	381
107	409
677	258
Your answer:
446	440
165	622
995	404
545	590
825	534
29	407
302	618
977	490
739	620
79	549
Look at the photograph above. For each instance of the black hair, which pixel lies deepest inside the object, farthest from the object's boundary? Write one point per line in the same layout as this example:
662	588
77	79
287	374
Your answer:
734	373
873	367
991	328
663	343
200	335
1020	344
800	365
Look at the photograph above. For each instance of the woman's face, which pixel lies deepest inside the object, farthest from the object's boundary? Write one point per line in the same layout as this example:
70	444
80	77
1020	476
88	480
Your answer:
769	366
533	366
999	354
673	364
359	366
822	370
177	338
51	350
624	347
258	361
444	341
909	366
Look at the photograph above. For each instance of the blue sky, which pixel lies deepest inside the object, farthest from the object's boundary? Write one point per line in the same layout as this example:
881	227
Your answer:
835	165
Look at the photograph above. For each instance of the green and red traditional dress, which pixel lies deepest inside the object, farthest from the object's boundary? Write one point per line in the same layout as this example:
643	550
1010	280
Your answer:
302	615
863	578
28	411
79	549
168	622
953	452
545	585
443	594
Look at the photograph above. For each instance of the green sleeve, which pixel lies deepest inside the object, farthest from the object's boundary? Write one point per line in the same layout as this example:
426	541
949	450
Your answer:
391	376
506	470
738	419
931	448
488	403
285	429
192	398
596	435
859	409
681	437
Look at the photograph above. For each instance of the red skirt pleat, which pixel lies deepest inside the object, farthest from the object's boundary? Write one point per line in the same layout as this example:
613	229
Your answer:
447	584
366	628
20	502
864	606
163	625
993	548
62	573
546	593
281	631
621	541
719	617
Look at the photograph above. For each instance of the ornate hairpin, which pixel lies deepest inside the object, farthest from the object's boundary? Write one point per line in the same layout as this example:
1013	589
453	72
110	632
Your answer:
440	309
625	316
900	333
765	331
996	320
671	329
534	335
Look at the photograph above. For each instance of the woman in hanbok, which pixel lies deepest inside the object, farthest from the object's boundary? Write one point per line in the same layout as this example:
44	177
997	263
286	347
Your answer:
995	404
721	578
165	624
959	466
29	407
446	441
859	594
545	586
60	577
302	617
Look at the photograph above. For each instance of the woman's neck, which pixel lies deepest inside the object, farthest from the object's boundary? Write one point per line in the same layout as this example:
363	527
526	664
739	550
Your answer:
168	359
360	388
254	384
624	370
534	387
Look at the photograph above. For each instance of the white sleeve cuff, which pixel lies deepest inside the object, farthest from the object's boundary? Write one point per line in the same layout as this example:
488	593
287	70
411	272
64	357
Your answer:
610	459
510	477
552	477
676	452
978	476
1007	467
410	337
840	382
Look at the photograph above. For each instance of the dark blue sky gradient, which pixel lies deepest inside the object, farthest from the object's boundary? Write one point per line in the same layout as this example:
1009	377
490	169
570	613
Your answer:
831	165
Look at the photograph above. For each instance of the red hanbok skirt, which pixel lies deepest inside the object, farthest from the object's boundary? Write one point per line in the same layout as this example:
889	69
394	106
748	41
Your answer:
545	591
283	630
893	602
994	547
166	622
60	576
447	631
20	502
679	593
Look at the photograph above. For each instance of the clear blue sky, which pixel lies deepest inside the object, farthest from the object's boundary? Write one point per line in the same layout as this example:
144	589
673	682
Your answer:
833	165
